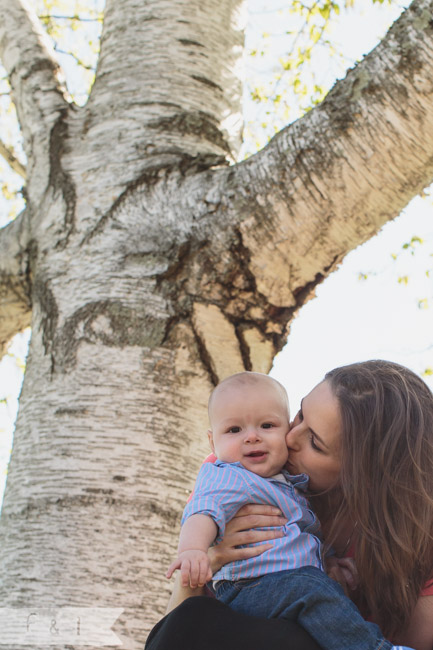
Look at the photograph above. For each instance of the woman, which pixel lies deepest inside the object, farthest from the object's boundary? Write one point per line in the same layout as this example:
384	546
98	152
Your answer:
365	438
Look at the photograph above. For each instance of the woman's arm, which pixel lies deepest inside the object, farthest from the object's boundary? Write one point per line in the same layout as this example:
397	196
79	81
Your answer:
180	593
419	634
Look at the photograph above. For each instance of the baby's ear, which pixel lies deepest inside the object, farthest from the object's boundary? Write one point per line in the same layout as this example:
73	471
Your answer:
210	436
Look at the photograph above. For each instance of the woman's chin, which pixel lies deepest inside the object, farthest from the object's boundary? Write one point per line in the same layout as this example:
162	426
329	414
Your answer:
291	468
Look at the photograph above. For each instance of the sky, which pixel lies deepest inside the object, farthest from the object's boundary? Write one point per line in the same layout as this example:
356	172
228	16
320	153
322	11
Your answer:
362	311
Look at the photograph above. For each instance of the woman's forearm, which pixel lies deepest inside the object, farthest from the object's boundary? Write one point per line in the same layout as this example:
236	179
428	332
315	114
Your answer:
180	593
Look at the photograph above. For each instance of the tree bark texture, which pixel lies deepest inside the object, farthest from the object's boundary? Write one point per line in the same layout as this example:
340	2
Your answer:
152	267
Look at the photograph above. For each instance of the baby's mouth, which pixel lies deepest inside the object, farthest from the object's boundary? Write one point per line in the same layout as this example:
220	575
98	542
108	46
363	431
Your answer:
256	454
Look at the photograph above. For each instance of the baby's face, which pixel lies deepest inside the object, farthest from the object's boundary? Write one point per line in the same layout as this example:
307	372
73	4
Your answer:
249	425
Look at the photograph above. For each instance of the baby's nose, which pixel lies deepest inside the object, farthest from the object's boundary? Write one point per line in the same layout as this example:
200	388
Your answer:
252	434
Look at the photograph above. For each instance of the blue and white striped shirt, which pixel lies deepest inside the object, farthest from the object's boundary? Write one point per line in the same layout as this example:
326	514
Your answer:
222	488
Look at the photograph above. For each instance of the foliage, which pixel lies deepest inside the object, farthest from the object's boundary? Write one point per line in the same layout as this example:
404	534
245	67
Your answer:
290	71
74	27
413	262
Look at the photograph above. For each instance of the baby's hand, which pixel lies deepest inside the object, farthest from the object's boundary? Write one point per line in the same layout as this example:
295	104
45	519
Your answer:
194	568
343	571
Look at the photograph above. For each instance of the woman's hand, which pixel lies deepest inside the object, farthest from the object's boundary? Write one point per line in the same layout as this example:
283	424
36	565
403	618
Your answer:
240	530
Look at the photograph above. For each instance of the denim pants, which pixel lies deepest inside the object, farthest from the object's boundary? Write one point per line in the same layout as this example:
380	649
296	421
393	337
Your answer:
308	596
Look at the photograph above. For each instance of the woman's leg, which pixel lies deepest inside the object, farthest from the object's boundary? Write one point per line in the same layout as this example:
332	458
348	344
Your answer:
202	623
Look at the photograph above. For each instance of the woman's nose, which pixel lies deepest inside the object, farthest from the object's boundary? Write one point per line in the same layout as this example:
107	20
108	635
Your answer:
293	437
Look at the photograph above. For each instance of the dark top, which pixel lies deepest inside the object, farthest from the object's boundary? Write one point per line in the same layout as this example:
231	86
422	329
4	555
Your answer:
203	623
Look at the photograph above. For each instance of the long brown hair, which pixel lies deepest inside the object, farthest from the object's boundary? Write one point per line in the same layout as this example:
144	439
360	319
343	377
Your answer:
387	483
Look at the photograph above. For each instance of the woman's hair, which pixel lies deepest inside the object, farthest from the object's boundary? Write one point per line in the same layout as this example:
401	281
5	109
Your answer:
387	483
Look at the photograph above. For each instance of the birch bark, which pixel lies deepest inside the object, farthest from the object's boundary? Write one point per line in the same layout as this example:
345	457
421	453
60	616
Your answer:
153	268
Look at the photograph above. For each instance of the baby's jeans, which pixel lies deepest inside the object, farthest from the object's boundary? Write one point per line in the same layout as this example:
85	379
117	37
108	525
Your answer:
308	596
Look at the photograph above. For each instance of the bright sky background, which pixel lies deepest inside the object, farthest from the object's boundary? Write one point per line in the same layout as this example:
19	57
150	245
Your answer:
351	319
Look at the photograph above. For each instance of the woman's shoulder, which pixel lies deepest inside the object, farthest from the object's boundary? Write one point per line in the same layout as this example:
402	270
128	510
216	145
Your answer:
428	588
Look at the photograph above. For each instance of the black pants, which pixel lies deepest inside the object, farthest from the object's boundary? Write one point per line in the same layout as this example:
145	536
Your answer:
202	623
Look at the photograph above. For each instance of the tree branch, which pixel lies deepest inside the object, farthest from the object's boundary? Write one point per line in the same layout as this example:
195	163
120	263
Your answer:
76	18
172	76
15	302
34	75
346	168
12	160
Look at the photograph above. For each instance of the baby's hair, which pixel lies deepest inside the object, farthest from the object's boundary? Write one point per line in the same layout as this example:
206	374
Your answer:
248	377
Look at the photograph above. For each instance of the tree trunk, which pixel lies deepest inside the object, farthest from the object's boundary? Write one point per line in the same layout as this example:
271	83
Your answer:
153	269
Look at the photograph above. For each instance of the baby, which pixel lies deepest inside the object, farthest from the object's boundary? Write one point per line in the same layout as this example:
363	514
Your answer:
249	418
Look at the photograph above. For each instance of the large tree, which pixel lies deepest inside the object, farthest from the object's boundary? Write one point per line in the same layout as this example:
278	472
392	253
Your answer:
150	265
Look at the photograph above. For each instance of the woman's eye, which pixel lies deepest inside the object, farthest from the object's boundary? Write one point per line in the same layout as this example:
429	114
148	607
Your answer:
267	425
234	429
313	444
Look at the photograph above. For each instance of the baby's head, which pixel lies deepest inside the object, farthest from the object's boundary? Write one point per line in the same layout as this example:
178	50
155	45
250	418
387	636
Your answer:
249	420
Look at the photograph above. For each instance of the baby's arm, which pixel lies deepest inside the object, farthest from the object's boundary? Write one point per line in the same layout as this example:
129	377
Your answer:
196	535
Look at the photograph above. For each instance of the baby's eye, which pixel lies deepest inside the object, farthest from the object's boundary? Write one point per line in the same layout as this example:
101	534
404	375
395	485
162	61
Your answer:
267	425
234	429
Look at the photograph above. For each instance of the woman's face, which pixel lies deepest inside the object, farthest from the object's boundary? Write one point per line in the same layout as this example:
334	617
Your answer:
314	439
